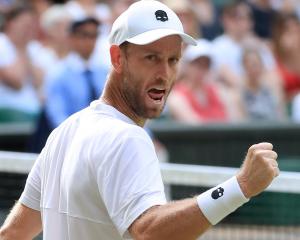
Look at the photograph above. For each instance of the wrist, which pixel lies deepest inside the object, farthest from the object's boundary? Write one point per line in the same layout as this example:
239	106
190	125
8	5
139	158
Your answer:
220	201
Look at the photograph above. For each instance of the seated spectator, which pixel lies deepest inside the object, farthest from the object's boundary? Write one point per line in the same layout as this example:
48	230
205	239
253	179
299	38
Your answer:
187	15
238	33
53	49
73	84
79	9
260	99
286	40
208	15
195	98
18	77
263	17
286	6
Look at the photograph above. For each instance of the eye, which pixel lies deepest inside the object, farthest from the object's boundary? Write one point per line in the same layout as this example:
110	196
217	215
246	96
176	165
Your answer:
174	60
151	57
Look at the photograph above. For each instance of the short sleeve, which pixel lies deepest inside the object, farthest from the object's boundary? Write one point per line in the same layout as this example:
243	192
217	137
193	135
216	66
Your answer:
130	181
31	195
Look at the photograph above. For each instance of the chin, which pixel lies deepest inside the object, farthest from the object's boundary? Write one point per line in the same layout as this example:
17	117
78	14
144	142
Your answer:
154	113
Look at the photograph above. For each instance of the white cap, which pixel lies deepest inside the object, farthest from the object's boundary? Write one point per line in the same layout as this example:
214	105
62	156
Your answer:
203	49
146	21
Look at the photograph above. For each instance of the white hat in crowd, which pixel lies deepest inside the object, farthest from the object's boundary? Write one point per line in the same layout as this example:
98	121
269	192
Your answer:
146	21
203	49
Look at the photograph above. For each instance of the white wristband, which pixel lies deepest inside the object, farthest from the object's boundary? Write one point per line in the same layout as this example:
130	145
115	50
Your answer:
218	202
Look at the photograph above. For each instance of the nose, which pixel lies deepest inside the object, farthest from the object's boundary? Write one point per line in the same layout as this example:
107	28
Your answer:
164	70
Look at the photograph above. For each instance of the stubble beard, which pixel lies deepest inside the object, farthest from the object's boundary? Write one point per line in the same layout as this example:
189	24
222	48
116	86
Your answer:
134	99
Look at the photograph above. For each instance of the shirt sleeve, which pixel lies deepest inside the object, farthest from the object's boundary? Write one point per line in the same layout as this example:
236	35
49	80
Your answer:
130	182
31	195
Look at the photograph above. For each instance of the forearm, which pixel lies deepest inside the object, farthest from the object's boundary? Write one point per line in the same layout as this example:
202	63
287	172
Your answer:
22	223
177	220
11	78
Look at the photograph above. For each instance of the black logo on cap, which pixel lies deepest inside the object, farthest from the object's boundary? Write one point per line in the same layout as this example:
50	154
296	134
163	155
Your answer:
161	15
219	192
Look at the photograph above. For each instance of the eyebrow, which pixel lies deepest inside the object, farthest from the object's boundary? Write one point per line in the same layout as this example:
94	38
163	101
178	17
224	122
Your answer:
155	52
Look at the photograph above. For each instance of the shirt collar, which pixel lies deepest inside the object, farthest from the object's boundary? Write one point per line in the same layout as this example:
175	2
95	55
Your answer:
103	108
76	63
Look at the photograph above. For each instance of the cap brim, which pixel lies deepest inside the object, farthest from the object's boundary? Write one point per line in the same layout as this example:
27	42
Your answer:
154	35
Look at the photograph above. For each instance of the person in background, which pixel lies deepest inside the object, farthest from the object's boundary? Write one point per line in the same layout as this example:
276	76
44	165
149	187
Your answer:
54	48
19	78
286	6
286	42
207	14
195	98
227	48
74	83
262	94
263	17
187	15
79	9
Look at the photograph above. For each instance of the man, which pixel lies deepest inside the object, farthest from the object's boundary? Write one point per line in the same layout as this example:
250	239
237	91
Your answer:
98	176
19	78
73	83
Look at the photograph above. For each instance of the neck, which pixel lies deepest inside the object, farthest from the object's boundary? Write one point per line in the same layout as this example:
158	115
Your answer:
253	84
60	49
114	96
15	39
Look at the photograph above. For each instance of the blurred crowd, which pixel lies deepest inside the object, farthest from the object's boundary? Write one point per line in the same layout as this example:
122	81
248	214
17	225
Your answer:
54	60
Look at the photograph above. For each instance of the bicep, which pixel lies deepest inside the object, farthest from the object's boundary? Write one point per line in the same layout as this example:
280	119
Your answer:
131	183
22	223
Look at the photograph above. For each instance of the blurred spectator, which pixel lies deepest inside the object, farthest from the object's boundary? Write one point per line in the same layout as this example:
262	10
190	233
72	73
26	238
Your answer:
286	39
260	100
208	15
73	84
263	17
54	48
195	98
186	13
18	77
287	6
228	48
83	8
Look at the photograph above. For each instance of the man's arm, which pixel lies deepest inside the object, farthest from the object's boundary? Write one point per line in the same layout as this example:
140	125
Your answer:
22	223
184	219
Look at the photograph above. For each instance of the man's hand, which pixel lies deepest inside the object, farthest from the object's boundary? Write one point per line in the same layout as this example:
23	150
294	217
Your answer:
258	170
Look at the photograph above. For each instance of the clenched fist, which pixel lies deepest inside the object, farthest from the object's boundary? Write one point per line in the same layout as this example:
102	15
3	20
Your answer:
258	170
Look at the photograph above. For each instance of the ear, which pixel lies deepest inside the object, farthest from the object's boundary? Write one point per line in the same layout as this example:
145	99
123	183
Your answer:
115	58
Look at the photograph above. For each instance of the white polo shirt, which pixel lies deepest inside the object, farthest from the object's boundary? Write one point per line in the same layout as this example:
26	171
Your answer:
97	173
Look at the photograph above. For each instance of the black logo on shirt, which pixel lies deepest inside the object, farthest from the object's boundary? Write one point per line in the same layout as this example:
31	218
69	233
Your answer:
219	192
161	15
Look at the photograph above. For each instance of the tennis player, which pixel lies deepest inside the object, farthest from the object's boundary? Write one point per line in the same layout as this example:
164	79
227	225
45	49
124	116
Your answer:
98	176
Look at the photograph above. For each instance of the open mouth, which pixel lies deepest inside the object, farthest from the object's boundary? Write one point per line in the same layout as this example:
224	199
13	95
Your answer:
156	94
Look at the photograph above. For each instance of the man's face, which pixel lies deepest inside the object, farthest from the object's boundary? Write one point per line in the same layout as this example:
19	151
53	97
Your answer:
149	74
199	69
83	40
23	27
